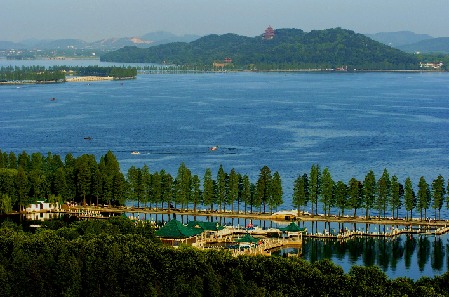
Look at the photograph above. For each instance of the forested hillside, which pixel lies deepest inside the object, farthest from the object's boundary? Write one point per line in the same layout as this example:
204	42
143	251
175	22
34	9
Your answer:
289	49
435	45
25	179
118	257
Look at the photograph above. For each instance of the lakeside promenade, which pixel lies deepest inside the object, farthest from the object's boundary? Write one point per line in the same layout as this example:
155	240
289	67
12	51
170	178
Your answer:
257	216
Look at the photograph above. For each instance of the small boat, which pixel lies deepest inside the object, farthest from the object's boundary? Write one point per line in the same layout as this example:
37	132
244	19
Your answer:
88	138
135	153
213	148
53	99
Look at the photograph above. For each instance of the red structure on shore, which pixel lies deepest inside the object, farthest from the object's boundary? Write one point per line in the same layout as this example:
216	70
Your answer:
269	33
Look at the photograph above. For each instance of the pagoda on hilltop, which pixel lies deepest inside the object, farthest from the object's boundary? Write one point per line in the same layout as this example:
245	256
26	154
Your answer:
269	33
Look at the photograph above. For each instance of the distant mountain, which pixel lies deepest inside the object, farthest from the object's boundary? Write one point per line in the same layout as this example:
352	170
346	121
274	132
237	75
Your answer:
162	37
116	43
435	45
5	45
147	40
397	39
61	44
289	49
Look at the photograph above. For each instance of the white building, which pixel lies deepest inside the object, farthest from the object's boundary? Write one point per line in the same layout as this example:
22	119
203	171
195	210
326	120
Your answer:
42	206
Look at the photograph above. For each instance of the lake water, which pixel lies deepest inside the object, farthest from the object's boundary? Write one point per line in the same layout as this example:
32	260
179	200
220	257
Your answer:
412	256
348	122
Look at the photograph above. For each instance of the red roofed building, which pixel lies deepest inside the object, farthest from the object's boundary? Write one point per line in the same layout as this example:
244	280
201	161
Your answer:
269	33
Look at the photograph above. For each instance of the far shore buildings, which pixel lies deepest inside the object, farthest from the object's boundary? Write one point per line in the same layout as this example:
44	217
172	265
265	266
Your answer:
42	206
435	66
221	65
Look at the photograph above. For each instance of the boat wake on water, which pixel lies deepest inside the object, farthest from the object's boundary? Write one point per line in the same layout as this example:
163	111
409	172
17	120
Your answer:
184	150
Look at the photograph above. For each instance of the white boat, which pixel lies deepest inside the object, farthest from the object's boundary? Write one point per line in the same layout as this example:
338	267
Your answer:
213	148
135	153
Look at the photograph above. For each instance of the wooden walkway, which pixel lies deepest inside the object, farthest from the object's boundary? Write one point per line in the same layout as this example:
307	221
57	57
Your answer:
267	217
394	232
419	227
227	237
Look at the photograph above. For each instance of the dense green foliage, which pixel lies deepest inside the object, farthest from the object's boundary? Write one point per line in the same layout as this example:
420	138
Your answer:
289	49
387	193
116	72
432	45
33	73
41	74
118	257
24	179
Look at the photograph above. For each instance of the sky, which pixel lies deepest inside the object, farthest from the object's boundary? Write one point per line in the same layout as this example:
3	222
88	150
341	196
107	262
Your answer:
93	20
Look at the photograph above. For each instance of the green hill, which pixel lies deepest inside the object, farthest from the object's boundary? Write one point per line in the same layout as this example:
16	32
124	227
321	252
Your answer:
398	39
435	45
289	49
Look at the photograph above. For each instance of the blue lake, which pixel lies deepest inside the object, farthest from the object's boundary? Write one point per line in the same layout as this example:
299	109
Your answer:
348	122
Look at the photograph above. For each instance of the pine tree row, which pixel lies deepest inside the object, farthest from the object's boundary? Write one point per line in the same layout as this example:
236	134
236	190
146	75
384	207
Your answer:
24	179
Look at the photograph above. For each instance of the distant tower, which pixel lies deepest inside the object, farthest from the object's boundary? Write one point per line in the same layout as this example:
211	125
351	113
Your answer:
269	33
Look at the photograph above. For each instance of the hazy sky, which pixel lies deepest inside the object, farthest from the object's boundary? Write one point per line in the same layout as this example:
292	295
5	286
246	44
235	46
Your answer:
92	20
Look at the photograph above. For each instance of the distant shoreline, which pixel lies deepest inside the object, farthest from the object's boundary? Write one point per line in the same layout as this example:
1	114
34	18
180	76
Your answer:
266	216
69	80
110	78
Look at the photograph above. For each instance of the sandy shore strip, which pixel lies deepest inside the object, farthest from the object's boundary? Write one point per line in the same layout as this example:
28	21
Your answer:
88	78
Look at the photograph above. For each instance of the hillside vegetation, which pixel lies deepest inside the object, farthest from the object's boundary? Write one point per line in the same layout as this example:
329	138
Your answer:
118	257
435	45
289	49
398	39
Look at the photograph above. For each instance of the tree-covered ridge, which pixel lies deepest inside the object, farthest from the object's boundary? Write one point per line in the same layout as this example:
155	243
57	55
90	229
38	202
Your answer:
118	257
25	179
289	49
32	73
58	73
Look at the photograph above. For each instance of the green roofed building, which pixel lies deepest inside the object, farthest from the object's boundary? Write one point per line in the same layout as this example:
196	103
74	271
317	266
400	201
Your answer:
174	229
195	233
247	238
292	227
